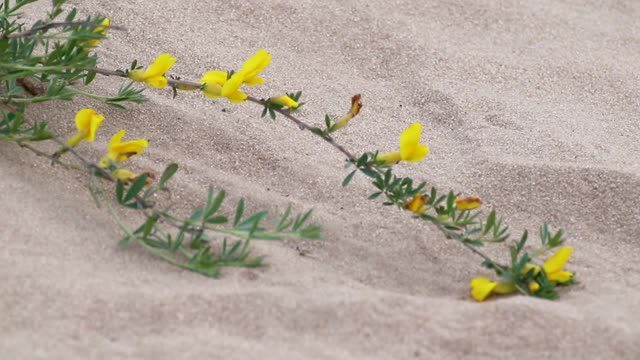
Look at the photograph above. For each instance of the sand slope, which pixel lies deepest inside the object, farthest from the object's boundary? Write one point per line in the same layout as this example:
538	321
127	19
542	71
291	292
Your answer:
531	105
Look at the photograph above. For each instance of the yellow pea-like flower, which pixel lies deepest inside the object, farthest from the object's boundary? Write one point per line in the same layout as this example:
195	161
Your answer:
248	74
87	123
103	30
553	267
468	202
410	148
356	105
128	176
482	287
154	74
122	150
417	204
213	81
284	101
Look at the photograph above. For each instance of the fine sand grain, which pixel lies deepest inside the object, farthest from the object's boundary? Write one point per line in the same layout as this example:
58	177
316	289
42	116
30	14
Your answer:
532	105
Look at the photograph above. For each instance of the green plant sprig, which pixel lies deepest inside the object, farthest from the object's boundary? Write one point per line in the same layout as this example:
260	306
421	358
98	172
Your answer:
464	226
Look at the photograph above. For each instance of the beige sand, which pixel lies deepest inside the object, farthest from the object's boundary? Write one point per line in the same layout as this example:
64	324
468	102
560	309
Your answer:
531	105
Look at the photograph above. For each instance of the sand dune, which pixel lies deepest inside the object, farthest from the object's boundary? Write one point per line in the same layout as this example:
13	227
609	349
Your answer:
531	105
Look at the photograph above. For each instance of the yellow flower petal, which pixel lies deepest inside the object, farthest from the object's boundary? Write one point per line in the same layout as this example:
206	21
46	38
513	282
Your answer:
409	140
88	122
560	276
389	158
124	175
557	260
468	202
255	64
248	74
284	101
213	86
160	66
233	84
121	151
216	77
416	204
101	30
481	288
420	152
158	82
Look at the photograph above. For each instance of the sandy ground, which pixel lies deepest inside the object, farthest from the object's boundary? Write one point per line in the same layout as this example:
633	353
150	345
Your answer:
532	105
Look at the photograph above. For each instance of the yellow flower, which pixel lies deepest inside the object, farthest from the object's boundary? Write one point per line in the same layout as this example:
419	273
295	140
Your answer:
356	105
553	267
127	176
284	101
154	74
416	204
410	148
100	30
87	123
468	202
482	287
213	81
248	74
120	151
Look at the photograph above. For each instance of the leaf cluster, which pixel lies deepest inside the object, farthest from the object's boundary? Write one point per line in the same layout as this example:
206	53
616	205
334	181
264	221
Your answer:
208	239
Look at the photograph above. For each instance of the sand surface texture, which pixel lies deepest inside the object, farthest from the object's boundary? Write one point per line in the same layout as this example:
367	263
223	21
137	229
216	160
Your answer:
532	105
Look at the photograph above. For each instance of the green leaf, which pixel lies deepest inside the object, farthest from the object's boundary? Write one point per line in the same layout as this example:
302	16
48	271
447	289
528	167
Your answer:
217	220
283	224
327	121
347	180
148	225
119	192
301	220
491	220
167	174
89	78
370	173
239	212
135	188
214	206
375	195
251	220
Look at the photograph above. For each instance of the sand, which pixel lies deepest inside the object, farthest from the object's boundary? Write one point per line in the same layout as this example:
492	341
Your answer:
532	106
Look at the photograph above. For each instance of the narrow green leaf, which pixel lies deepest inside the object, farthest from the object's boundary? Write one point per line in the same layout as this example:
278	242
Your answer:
283	224
301	220
148	225
251	220
120	192
239	212
167	174
217	220
375	195
491	219
135	188
215	206
347	180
